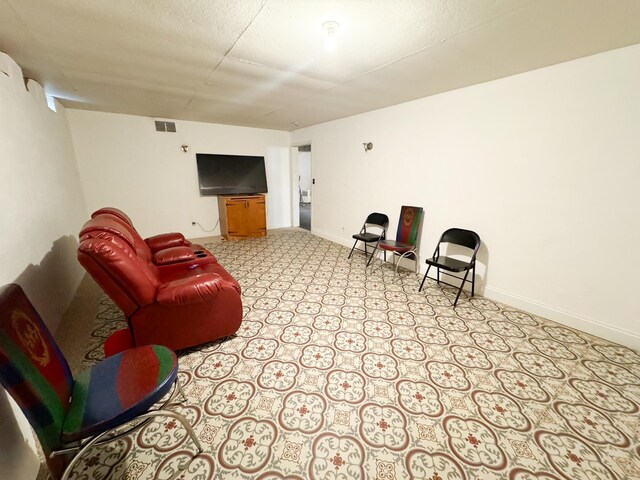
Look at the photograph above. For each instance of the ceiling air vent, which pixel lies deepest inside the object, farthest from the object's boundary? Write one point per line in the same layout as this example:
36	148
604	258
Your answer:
165	126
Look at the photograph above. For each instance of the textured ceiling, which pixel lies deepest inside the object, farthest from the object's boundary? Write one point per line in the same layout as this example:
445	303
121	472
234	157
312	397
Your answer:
262	63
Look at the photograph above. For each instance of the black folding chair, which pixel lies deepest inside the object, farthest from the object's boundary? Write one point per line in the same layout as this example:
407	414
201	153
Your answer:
380	222
464	238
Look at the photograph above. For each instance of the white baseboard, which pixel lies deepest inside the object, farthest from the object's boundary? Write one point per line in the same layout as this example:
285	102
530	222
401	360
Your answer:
333	238
594	327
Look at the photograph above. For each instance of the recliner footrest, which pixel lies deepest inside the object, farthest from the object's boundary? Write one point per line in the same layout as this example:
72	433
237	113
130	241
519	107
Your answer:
118	341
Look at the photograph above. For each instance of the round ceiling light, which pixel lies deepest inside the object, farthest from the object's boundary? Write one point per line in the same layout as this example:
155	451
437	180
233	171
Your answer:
331	34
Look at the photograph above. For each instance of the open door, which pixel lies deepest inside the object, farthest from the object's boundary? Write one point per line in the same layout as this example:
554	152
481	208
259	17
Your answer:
305	182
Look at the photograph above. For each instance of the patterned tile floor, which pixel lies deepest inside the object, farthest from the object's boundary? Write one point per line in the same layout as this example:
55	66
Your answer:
338	373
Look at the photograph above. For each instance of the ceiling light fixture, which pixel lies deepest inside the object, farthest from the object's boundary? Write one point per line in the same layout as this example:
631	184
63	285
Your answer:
331	35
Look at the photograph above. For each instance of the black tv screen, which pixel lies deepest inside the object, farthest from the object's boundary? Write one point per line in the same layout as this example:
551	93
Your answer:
230	174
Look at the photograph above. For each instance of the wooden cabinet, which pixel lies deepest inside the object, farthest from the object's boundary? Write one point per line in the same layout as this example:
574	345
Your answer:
242	216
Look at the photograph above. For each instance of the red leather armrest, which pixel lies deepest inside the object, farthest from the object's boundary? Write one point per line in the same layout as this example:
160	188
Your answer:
173	255
166	240
198	289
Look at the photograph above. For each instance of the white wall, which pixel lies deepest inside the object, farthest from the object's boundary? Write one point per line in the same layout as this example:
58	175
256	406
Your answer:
125	163
42	210
543	165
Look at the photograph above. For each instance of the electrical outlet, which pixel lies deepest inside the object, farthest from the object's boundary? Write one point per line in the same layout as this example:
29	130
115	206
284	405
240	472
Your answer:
193	224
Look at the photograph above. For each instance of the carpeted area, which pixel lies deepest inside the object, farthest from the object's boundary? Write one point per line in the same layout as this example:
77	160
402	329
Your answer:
342	373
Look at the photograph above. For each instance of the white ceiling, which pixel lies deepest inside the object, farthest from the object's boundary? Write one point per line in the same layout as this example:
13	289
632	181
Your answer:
262	63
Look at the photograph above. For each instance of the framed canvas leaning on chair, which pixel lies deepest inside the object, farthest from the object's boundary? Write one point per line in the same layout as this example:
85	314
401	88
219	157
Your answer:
407	236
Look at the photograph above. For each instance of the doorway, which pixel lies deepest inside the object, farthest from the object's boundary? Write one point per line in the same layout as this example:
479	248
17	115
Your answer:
304	186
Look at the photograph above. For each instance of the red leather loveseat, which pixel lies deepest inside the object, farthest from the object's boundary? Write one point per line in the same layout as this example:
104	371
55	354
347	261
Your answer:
178	296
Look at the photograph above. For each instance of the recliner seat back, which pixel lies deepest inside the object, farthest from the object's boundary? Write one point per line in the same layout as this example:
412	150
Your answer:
129	280
116	212
117	226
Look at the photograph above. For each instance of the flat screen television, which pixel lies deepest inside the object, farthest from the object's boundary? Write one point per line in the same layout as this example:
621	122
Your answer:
230	174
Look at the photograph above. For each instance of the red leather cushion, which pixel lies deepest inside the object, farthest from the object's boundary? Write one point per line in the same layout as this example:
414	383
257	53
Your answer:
113	211
118	341
105	260
143	251
173	255
200	288
166	240
109	224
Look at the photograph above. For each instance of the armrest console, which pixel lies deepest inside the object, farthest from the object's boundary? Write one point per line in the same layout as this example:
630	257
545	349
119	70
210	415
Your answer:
171	255
166	240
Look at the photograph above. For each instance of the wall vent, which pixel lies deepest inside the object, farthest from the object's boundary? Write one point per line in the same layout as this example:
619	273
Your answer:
165	126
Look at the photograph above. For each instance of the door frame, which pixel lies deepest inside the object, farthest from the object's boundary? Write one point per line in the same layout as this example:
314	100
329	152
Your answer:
295	195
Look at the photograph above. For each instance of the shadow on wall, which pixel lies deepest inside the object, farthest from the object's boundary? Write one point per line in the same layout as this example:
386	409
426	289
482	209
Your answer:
482	260
16	454
52	284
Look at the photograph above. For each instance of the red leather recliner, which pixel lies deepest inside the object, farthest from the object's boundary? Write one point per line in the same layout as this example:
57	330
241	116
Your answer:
183	249
178	304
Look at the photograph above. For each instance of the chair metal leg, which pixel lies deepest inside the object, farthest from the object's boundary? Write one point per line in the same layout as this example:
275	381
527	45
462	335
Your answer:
352	249
96	439
373	254
438	275
180	390
425	277
406	254
473	281
460	289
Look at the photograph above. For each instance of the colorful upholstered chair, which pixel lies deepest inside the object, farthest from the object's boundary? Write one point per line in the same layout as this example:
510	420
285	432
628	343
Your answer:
70	416
406	243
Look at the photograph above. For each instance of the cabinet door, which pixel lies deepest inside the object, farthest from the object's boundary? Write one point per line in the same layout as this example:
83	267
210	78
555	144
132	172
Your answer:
237	218
256	215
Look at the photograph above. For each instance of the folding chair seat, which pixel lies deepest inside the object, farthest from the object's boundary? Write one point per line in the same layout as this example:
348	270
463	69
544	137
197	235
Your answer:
377	221
463	238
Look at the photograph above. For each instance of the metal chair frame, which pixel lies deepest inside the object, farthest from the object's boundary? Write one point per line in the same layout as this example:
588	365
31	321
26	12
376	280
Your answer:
407	254
98	440
461	237
360	237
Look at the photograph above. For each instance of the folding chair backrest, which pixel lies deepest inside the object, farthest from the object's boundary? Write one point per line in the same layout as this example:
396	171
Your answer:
32	367
459	236
378	219
408	225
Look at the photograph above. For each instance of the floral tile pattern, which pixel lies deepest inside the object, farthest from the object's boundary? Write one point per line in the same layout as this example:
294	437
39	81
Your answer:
341	373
